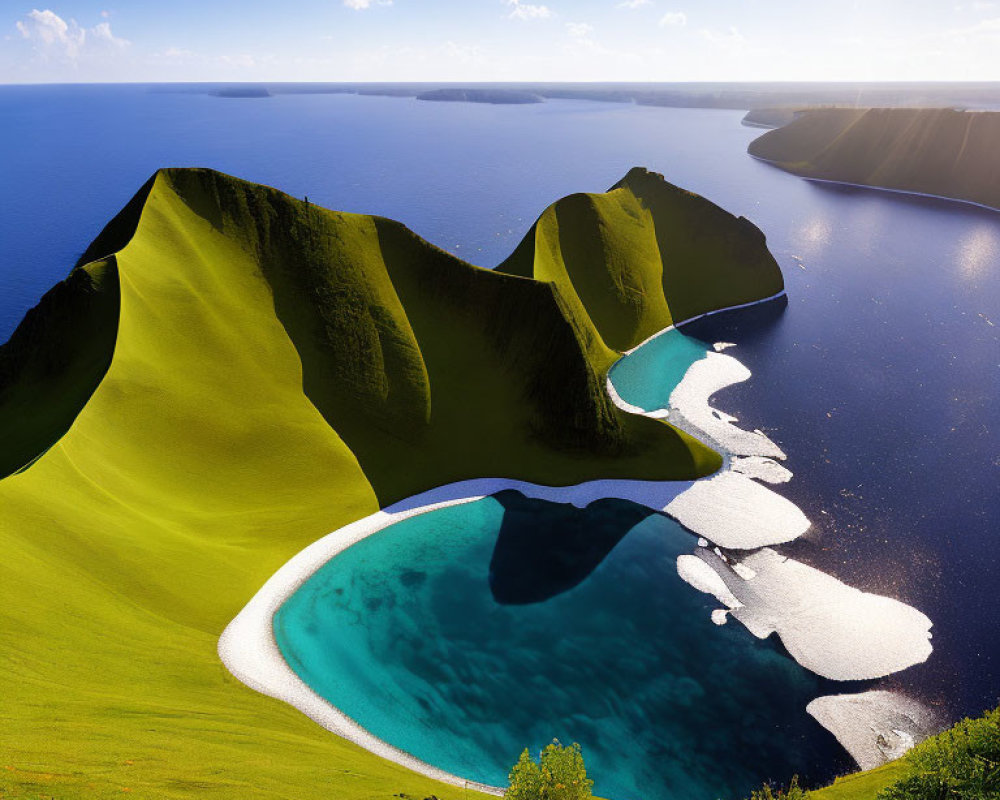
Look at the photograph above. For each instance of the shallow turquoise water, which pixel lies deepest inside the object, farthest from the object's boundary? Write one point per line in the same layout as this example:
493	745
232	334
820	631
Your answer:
464	635
648	376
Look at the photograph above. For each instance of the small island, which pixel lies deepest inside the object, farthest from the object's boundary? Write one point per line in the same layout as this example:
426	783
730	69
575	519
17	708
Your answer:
502	97
939	152
242	92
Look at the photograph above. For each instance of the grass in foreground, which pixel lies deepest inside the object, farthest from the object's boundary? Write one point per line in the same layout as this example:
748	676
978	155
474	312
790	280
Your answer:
962	763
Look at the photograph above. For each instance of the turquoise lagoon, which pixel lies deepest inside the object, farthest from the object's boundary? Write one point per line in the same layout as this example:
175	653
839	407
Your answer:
466	634
647	376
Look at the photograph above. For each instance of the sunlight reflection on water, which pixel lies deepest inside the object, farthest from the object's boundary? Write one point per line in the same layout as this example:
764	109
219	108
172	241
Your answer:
977	250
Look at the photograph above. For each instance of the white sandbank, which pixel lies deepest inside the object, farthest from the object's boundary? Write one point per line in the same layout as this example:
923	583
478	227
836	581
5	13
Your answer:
734	512
874	727
828	627
690	408
702	577
761	469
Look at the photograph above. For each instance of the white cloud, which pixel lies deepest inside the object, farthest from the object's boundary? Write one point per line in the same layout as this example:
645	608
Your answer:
521	10
674	19
102	33
54	38
987	29
579	30
241	61
729	39
361	5
52	33
634	3
467	53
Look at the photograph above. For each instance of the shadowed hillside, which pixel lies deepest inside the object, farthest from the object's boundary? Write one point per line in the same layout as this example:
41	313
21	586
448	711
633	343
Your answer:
934	151
644	255
229	375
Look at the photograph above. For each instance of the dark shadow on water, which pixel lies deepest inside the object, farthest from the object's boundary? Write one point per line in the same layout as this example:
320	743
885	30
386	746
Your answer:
741	325
544	549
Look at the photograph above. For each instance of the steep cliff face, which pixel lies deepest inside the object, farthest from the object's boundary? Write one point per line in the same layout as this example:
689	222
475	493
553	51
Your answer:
644	255
55	360
230	374
935	151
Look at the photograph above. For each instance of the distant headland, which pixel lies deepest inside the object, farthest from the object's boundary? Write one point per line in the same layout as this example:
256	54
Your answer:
939	152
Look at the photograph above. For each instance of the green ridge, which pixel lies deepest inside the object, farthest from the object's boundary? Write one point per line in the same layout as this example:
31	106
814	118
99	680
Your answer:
644	255
231	375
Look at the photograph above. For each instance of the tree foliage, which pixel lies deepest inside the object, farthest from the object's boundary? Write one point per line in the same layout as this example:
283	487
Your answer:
793	792
559	774
962	763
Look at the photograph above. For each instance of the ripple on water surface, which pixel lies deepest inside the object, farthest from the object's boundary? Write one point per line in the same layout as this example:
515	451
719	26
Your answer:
466	634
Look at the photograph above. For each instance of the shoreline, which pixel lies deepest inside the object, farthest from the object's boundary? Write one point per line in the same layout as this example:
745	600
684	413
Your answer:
885	189
249	650
688	321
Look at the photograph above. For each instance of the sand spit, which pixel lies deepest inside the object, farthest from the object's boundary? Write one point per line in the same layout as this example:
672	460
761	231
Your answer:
702	577
690	408
874	727
761	469
734	512
828	627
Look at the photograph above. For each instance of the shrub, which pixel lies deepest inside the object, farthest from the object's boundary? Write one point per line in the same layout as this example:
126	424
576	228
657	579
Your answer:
962	763
794	792
560	774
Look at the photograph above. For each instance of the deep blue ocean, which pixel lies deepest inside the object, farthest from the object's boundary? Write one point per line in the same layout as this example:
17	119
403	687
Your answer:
881	378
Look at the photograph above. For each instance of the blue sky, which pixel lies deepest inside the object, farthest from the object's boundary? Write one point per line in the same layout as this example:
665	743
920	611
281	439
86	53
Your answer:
499	40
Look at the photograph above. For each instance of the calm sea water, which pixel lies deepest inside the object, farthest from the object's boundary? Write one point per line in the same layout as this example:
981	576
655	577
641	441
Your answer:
881	379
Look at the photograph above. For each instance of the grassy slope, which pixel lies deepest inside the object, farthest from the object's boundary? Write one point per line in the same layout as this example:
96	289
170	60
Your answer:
644	255
861	785
959	763
198	466
933	151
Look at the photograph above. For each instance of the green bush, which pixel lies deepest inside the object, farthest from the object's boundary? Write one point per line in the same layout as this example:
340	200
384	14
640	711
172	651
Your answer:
794	792
962	763
559	774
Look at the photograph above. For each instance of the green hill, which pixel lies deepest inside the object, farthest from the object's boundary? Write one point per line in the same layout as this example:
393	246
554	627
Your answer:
228	375
935	151
644	255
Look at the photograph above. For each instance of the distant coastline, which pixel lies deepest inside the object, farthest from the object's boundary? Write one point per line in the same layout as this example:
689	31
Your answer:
930	152
752	97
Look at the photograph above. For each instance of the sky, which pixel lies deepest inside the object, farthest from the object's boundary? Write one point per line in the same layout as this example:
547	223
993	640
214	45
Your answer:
499	40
